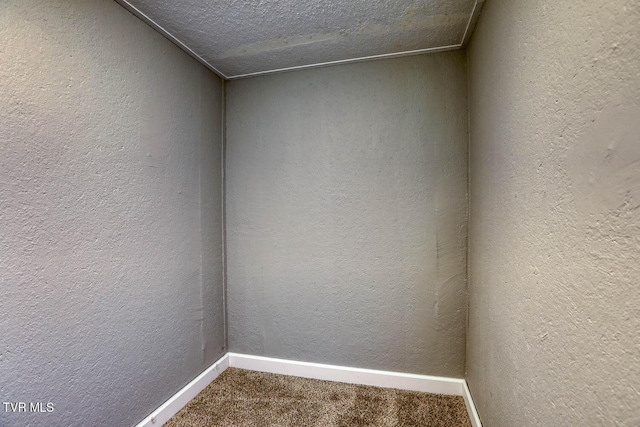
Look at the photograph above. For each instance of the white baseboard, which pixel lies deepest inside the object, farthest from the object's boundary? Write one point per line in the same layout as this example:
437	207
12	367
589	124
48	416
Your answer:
371	377
424	383
176	402
471	408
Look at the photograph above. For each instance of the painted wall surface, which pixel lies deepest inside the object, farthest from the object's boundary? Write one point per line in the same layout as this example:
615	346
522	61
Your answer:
110	219
346	214
554	248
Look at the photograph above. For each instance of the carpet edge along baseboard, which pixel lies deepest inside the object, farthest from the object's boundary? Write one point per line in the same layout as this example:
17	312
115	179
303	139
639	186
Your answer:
359	376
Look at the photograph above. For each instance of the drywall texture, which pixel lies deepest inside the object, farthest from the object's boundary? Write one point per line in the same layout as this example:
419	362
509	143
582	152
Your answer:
110	238
238	37
347	205
555	213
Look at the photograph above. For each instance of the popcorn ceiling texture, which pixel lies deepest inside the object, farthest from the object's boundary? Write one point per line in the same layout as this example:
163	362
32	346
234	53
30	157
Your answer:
110	219
554	247
239	37
346	214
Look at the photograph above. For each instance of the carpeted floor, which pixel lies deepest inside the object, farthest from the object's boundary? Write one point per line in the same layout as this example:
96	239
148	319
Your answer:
246	398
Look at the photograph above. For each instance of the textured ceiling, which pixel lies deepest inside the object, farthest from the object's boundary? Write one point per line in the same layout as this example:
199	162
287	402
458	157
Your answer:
236	38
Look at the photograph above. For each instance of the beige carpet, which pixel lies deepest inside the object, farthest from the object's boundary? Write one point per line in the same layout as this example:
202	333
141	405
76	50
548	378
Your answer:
247	398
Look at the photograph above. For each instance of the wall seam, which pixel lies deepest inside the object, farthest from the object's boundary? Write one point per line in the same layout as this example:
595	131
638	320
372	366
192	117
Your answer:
202	241
223	202
468	278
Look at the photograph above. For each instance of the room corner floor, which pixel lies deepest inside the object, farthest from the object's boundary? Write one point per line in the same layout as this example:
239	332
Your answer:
247	398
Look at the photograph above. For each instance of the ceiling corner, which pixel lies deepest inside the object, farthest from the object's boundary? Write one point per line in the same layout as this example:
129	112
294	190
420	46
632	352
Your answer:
173	39
473	20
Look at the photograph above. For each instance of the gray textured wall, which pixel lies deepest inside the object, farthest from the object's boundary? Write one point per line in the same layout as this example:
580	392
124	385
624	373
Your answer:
554	249
347	206
110	219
